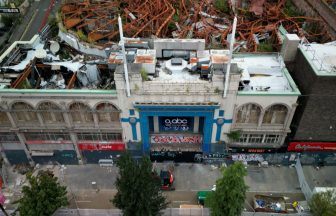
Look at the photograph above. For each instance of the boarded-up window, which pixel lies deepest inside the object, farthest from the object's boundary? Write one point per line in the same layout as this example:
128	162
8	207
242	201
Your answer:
50	113
24	113
81	113
4	120
276	114
248	113
107	113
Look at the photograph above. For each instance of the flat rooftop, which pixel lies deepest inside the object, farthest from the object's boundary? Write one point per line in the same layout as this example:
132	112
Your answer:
322	57
263	73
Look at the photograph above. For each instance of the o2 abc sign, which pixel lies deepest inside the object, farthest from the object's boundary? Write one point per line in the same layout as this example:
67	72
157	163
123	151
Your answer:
176	121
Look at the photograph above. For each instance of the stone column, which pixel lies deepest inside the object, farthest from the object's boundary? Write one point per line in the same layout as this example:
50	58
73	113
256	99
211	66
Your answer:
40	119
290	115
156	124
95	120
67	120
11	119
196	124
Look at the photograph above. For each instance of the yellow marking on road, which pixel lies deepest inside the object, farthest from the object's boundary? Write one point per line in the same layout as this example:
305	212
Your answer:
30	22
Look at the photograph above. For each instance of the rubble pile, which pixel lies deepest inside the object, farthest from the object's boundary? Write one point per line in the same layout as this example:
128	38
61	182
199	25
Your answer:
259	21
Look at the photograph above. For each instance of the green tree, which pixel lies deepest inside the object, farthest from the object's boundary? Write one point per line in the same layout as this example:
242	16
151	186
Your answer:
43	196
323	204
138	188
229	197
222	6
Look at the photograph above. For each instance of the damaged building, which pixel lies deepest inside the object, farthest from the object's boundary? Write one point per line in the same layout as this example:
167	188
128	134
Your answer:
178	101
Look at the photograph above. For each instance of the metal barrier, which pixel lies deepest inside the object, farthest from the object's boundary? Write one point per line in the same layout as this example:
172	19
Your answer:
308	193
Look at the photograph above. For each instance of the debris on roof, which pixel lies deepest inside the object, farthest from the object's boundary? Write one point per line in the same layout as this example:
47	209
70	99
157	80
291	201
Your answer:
259	21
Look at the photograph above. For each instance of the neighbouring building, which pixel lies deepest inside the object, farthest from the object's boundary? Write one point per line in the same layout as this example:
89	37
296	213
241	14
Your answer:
60	105
314	123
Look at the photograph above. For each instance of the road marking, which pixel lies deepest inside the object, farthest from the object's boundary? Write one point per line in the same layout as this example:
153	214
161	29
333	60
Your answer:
29	24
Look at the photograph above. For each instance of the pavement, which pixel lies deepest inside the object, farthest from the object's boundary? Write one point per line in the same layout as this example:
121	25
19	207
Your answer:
320	177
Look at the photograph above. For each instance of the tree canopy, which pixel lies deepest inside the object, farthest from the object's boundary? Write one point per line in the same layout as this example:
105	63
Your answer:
323	203
43	196
229	197
138	188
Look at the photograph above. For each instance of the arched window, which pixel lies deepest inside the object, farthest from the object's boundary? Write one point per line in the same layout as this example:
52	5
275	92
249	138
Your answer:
107	113
24	113
248	114
4	120
81	113
50	112
275	114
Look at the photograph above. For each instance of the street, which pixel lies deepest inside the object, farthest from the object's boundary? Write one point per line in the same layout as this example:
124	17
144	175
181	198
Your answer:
31	22
189	178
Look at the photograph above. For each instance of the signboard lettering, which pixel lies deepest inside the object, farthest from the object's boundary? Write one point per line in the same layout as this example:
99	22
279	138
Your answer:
101	146
312	146
181	138
176	123
9	10
256	150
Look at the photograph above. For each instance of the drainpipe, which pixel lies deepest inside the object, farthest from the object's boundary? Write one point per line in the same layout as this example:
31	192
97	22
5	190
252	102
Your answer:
227	75
128	93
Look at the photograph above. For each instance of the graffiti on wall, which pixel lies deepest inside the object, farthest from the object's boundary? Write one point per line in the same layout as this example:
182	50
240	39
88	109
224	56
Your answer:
176	138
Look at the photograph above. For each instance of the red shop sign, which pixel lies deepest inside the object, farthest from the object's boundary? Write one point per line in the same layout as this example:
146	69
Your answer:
312	146
115	146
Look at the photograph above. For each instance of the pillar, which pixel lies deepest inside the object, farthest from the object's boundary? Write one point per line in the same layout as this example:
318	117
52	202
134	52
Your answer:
156	124
196	124
95	120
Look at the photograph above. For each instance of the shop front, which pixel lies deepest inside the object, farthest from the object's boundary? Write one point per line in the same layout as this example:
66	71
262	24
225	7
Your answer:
92	152
11	146
176	132
46	151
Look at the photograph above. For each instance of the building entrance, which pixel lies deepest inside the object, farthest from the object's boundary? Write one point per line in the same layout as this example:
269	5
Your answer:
176	128
176	133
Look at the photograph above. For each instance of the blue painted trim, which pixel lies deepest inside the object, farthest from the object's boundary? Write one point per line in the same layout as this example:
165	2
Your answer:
128	119
227	121
144	132
124	119
133	125
221	113
205	112
134	132
172	108
131	112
